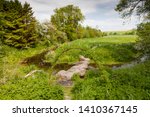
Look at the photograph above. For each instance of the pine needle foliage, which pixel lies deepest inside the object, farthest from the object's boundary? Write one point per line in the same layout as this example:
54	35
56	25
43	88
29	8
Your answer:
17	24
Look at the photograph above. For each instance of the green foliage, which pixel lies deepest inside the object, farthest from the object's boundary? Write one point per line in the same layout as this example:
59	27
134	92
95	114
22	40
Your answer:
142	8
13	85
127	7
102	83
106	50
32	88
18	24
143	32
2	54
104	33
129	32
124	84
49	34
67	19
91	32
11	61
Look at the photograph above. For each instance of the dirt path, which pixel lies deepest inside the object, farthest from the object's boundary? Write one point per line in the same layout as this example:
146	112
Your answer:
67	93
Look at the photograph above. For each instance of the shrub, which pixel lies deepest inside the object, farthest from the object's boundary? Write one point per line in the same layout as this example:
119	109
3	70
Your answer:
35	88
49	34
2	54
143	32
124	84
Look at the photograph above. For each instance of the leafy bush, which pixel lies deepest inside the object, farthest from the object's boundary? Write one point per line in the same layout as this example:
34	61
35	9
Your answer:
89	32
124	52
124	84
2	54
49	34
131	32
32	88
143	32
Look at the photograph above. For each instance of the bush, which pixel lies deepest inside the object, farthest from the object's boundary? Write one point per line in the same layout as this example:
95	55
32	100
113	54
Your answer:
49	34
36	88
132	32
2	54
125	52
143	32
89	32
124	84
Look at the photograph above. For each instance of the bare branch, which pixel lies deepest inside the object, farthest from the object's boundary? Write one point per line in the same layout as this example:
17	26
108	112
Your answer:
32	72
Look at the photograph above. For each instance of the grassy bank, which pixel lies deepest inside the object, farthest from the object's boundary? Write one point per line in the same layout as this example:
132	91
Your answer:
97	84
106	50
124	84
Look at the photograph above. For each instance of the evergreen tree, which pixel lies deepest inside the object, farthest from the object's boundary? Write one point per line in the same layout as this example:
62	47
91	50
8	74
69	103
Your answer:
29	24
1	19
18	25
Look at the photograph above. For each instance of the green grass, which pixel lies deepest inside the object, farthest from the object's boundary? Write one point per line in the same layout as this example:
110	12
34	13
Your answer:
13	85
131	83
36	87
127	32
12	61
113	39
120	39
106	50
124	84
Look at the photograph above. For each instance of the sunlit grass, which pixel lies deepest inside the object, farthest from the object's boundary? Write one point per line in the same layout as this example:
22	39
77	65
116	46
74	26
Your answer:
107	50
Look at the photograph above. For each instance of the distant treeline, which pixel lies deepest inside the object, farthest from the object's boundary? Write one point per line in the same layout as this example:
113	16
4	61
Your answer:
129	32
20	29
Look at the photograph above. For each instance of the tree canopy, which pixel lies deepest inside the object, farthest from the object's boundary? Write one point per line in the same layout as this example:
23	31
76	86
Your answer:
128	7
142	8
19	28
67	19
17	24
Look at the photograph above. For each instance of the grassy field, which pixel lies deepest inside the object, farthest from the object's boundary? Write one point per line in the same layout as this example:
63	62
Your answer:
98	84
106	50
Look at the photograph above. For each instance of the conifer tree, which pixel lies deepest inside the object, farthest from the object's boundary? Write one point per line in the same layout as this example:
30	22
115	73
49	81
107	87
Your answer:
18	25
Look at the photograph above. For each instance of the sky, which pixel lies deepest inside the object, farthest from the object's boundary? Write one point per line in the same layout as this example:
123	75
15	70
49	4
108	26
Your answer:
98	13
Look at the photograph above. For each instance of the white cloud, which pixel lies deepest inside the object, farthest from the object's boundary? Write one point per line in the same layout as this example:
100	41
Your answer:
47	6
101	14
114	24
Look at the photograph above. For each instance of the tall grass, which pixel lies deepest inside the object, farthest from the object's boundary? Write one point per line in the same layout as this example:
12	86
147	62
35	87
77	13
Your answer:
13	84
107	50
124	84
98	84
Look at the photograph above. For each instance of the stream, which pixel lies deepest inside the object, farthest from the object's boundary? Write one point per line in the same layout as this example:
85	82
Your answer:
131	64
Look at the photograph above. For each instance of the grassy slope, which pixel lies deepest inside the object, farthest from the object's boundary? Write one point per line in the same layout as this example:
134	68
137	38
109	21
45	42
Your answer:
124	84
106	50
130	83
12	61
13	85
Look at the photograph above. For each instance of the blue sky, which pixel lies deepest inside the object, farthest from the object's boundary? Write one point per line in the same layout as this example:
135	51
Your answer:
98	13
